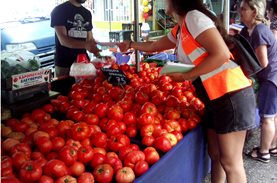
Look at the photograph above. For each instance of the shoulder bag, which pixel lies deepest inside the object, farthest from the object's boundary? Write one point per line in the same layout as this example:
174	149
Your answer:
244	55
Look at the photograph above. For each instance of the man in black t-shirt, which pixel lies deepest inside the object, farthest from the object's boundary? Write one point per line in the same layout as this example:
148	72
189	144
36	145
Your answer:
73	25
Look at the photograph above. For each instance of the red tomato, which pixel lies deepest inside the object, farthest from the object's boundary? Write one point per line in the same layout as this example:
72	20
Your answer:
85	154
44	145
103	173
78	115
101	110
131	131
115	112
151	155
116	142
21	147
45	179
18	159
36	155
141	167
172	114
73	143
76	95
30	171
38	115
6	162
123	151
7	171
157	97
16	125
162	143
147	130
99	139
64	126
113	130
39	134
86	177
68	155
125	174
172	125
67	179
91	119
77	168
80	131
7	144
145	118
55	168
129	118
58	143
97	159
115	162
148	140
133	157
49	108
150	108
141	97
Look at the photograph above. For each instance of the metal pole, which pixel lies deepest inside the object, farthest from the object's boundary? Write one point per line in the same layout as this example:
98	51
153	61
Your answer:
110	21
136	32
226	14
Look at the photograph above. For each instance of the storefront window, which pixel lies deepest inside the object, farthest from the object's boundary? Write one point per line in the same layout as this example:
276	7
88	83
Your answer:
112	10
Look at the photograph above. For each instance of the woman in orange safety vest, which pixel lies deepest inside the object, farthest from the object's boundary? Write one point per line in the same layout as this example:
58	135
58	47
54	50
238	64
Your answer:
220	83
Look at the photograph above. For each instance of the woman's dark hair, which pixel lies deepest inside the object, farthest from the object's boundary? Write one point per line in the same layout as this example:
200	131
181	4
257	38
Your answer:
182	7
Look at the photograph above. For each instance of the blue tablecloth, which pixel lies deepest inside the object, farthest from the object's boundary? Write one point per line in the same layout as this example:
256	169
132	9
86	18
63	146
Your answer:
187	162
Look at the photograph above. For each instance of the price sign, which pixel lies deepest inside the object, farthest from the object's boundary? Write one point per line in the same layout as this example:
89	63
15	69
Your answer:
115	77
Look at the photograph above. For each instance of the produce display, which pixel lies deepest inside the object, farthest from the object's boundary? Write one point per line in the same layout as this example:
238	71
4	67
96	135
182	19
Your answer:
100	132
17	62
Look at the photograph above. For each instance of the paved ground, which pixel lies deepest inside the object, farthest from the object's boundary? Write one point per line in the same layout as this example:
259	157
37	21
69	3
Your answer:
257	172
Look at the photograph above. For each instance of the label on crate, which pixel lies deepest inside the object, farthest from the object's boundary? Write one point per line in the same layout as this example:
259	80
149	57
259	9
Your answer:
30	78
115	77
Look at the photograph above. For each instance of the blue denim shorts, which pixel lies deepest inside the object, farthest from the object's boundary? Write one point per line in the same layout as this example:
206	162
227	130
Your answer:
267	99
232	112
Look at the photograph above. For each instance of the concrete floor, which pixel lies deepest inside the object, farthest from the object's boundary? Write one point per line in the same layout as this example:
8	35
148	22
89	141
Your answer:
257	172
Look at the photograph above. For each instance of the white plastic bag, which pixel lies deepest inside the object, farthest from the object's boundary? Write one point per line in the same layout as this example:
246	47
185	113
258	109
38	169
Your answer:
82	68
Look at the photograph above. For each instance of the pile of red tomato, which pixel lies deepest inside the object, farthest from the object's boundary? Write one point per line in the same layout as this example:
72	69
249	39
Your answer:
107	134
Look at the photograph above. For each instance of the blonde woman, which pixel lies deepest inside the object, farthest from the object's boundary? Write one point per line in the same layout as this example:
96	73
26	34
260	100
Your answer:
265	45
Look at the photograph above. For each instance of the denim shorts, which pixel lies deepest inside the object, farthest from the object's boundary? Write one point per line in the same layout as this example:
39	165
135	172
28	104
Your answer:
267	99
232	112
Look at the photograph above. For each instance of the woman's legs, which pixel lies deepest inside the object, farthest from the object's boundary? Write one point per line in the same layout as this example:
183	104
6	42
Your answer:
274	141
231	147
268	133
225	151
217	172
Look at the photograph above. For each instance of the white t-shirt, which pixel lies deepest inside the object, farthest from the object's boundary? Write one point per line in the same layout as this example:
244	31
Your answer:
196	22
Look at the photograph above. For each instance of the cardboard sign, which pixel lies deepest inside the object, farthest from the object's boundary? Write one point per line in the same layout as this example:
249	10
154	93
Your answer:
30	78
115	77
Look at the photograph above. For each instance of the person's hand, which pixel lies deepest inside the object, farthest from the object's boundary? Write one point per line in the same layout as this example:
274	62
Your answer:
124	46
178	76
91	46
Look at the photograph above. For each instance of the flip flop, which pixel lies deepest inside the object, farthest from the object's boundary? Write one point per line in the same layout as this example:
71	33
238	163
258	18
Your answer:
262	157
272	153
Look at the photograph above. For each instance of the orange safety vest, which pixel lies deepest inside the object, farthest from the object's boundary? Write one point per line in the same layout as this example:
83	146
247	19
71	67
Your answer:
227	78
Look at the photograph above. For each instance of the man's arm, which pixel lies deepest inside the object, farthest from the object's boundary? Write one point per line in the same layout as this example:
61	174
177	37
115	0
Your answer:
66	41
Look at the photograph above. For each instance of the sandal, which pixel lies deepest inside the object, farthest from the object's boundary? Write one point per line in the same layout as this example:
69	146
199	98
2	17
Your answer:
273	151
263	157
